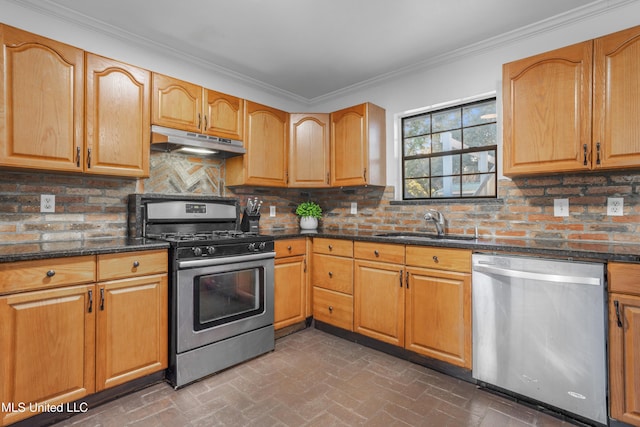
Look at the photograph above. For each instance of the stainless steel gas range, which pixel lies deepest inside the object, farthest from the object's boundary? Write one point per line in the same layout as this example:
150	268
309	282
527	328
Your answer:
221	287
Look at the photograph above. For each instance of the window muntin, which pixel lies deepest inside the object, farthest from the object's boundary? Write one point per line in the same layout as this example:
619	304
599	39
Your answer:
450	153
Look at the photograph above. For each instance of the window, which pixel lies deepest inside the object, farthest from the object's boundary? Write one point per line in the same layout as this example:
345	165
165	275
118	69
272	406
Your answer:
450	153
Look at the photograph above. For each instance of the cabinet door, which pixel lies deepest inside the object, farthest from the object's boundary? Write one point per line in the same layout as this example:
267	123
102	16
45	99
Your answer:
131	329
616	129
290	291
547	111
47	341
438	315
41	102
224	115
309	150
624	357
348	146
378	301
176	104
117	118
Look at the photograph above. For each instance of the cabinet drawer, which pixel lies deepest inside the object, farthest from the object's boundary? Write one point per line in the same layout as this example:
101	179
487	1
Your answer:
332	272
439	258
333	247
131	264
46	273
624	278
333	308
379	252
290	247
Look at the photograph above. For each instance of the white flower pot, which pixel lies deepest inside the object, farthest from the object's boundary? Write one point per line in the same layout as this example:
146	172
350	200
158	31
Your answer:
308	223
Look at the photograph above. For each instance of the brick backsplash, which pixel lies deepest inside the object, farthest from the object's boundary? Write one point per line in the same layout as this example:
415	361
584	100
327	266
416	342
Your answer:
92	207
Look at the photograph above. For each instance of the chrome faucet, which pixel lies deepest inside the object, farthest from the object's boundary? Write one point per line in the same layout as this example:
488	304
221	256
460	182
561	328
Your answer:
438	220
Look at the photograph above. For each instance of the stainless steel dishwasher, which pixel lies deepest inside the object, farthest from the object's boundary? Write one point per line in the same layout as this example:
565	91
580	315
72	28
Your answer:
539	330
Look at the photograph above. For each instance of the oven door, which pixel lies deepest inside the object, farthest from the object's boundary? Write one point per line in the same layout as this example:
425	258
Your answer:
219	298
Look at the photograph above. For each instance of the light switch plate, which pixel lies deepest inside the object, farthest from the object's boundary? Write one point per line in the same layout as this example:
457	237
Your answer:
354	208
47	203
272	211
615	206
561	207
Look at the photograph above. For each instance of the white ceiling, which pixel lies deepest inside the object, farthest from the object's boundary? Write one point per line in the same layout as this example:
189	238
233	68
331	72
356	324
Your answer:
309	48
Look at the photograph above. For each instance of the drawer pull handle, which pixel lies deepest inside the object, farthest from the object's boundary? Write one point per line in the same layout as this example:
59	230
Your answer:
435	259
330	309
330	247
331	274
51	273
136	264
376	253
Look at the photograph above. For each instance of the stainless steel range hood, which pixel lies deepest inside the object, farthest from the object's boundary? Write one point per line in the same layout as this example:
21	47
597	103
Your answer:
167	139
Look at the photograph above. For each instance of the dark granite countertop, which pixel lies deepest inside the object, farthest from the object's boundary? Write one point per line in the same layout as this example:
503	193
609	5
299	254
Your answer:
42	250
587	250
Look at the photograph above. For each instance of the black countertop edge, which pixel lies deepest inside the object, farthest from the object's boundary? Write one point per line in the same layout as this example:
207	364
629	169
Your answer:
29	251
570	249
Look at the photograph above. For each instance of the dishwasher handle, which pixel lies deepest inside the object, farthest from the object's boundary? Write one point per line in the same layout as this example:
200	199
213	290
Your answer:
544	277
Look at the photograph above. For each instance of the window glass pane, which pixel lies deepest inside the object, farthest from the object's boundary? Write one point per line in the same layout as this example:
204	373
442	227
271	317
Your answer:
445	165
417	145
416	188
447	120
479	185
447	186
482	161
446	141
480	136
419	125
479	113
417	168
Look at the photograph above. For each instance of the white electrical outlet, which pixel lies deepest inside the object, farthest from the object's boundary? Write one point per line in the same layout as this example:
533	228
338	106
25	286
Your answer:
615	206
47	203
272	211
354	208
561	207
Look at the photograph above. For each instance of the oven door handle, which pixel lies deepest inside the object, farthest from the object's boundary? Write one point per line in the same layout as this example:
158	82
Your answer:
206	262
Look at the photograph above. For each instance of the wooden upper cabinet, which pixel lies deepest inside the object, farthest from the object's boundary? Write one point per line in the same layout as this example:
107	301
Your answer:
223	115
547	111
41	102
309	150
117	100
265	162
358	146
176	104
616	100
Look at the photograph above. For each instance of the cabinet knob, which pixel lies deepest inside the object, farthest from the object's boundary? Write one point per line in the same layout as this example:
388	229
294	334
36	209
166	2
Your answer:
435	259
330	309
289	248
376	253
51	273
331	274
136	264
330	247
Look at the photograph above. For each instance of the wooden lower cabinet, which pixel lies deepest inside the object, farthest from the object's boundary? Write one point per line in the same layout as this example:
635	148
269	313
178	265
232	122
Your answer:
438	315
379	307
290	287
48	349
131	331
333	307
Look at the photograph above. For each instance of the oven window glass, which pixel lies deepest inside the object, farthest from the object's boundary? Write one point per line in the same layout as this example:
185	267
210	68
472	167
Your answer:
225	297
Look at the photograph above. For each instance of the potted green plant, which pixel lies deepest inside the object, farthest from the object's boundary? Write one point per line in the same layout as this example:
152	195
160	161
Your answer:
309	213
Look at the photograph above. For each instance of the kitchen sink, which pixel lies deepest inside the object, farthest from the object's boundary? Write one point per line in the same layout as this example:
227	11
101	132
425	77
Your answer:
425	236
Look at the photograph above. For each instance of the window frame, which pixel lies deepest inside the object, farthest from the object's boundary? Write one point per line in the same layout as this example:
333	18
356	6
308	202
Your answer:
431	111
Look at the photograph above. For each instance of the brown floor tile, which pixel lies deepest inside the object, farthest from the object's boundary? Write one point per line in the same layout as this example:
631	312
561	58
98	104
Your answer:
316	379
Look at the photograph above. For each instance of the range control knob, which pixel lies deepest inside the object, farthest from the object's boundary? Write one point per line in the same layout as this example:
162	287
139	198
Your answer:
262	246
211	250
197	251
252	246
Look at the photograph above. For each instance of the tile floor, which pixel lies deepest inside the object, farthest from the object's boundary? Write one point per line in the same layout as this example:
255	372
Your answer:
316	379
